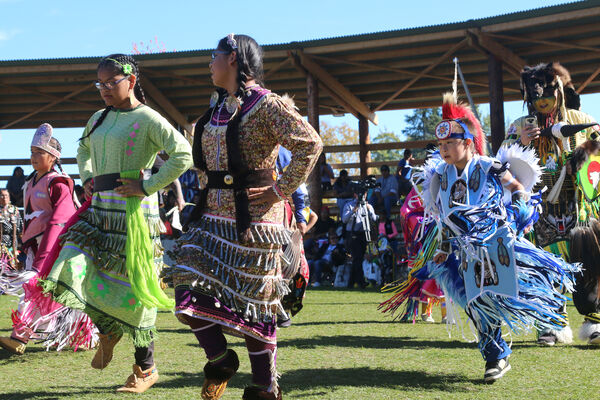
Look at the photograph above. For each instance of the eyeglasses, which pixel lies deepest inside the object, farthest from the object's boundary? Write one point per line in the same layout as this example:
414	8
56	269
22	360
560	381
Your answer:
217	52
108	85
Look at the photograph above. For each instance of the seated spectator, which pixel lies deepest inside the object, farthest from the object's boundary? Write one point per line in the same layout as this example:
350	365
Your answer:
15	186
324	224
389	231
344	190
404	173
326	173
386	194
387	228
328	255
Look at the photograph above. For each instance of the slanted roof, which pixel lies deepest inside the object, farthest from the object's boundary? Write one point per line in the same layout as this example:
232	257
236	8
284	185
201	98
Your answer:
400	69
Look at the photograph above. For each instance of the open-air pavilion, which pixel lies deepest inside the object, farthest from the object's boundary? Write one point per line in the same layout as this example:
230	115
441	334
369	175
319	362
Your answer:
359	74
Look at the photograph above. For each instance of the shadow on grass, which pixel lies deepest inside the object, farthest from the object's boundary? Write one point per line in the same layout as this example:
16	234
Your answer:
330	378
586	347
342	323
196	379
365	377
5	354
372	342
46	395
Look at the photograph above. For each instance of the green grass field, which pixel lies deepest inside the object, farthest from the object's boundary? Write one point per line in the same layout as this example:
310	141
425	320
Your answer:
339	347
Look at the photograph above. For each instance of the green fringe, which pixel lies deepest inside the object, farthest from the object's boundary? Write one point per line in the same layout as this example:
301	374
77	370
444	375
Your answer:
139	259
107	249
47	286
139	337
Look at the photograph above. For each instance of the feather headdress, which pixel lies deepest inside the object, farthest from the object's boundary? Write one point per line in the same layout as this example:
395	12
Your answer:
459	121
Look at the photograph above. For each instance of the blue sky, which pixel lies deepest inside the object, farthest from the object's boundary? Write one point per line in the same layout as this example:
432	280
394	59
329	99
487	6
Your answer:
32	29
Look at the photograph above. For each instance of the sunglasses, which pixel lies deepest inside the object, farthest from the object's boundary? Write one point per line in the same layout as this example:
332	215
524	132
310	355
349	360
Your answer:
217	52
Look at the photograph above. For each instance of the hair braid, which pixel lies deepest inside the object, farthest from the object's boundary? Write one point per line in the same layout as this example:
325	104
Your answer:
98	121
54	143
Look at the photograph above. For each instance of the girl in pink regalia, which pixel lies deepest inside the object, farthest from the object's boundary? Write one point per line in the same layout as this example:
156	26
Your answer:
49	204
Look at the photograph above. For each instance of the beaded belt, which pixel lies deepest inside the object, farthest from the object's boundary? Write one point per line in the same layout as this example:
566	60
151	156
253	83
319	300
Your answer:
109	181
254	178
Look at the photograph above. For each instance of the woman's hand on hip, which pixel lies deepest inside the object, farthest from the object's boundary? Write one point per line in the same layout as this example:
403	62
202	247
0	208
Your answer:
130	187
263	195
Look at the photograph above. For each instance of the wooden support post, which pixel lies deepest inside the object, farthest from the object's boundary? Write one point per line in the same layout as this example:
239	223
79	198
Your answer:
496	102
314	179
363	140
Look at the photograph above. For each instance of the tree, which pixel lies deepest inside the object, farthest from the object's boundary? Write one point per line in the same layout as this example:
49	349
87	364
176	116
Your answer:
340	135
421	126
386	155
422	122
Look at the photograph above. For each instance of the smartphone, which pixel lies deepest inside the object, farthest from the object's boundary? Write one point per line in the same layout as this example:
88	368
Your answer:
531	122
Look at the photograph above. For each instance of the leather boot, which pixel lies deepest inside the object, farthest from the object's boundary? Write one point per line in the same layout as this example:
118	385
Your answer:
106	345
140	381
255	393
216	377
14	346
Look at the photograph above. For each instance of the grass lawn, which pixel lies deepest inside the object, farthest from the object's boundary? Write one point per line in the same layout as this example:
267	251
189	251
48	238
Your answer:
339	347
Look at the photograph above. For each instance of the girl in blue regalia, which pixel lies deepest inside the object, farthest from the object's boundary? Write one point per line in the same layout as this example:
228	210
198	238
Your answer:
482	261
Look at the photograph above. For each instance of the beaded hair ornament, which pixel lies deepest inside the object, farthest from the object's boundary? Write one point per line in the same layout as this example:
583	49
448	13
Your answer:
127	68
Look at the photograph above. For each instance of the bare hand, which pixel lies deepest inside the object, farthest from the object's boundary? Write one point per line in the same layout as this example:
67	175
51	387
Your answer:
89	189
301	227
440	257
130	187
529	133
180	203
262	195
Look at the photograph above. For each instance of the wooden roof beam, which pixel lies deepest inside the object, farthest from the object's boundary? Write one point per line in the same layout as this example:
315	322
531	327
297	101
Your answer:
560	45
53	103
339	90
588	80
296	62
431	66
276	68
48	95
392	69
501	52
160	99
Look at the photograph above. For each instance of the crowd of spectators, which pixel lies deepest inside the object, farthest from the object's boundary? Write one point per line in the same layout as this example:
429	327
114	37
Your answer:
338	251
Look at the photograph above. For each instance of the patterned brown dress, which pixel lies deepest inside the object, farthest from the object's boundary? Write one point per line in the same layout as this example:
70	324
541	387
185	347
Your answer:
220	279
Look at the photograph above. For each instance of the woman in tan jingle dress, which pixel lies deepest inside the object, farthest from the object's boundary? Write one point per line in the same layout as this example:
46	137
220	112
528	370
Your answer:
229	262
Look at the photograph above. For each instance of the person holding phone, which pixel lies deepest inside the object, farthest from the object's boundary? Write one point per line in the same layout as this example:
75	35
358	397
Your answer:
551	100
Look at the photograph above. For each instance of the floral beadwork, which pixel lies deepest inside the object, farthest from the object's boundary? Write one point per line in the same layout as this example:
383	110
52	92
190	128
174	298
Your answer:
98	287
132	138
78	270
130	302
